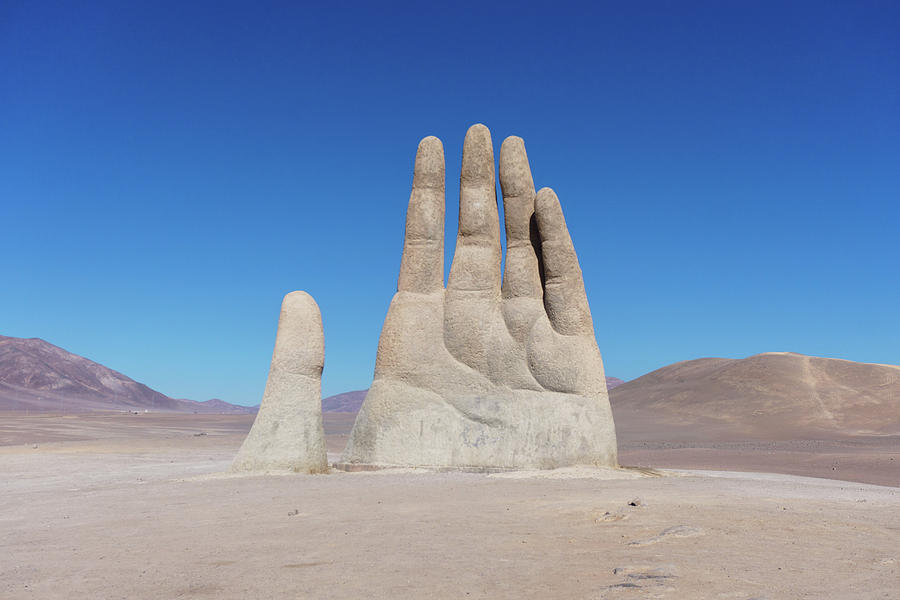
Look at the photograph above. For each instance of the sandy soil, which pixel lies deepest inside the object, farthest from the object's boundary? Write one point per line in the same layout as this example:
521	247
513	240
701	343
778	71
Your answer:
869	460
137	506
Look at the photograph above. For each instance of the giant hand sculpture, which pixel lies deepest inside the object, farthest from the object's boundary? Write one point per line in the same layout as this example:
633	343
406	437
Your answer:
484	375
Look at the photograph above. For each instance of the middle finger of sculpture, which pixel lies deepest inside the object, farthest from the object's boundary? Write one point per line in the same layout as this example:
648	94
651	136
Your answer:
483	374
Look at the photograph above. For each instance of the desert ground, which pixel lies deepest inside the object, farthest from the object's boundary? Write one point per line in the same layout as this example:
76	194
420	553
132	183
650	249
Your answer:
142	506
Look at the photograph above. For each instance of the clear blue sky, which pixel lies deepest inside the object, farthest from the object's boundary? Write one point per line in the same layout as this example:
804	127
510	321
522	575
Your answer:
730	172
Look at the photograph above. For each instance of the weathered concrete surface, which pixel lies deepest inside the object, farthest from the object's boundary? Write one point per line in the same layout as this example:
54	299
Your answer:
489	372
288	434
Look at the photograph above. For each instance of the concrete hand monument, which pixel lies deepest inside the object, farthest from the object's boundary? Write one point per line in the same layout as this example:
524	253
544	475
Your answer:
489	372
287	434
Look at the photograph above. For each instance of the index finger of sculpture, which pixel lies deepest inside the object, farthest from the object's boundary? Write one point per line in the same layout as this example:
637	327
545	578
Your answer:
476	261
522	278
564	297
422	264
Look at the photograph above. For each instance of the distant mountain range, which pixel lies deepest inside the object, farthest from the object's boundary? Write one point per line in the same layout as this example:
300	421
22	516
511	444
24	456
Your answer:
348	402
38	376
775	395
613	382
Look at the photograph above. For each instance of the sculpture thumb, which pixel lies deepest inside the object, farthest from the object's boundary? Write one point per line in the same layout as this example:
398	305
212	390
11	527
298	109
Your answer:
288	434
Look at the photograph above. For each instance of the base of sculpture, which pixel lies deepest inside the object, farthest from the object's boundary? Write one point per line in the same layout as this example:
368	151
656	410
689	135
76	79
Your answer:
350	467
399	426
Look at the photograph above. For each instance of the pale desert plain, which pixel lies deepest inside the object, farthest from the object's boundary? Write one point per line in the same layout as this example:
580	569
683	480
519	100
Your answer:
113	505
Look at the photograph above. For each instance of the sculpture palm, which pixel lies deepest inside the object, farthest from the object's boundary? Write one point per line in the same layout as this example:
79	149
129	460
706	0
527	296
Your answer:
481	374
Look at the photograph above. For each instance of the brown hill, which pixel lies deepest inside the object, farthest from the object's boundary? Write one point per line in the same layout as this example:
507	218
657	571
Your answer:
771	396
348	402
38	376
